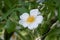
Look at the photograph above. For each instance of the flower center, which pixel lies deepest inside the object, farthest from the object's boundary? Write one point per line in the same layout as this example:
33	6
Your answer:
30	19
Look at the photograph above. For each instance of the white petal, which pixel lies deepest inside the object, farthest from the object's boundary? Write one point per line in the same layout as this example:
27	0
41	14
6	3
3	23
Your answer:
24	16
39	19
23	23
34	12
32	26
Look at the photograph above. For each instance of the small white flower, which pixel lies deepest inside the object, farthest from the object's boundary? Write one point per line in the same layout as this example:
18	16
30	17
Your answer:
31	21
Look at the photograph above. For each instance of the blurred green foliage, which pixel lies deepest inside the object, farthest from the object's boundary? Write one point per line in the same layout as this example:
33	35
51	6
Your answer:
10	11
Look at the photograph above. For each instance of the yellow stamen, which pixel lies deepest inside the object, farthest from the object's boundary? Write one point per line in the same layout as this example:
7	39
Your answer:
30	19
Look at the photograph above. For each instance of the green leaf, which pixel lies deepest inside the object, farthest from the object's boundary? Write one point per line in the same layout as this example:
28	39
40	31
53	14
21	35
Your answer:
43	28
51	38
57	2
53	34
20	36
1	25
0	4
22	10
14	16
10	3
59	14
4	16
10	26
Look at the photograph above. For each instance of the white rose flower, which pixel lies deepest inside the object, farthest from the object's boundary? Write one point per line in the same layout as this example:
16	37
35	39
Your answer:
31	21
